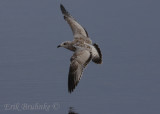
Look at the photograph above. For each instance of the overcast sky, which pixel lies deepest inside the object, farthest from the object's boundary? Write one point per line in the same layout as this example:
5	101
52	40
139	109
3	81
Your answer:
127	31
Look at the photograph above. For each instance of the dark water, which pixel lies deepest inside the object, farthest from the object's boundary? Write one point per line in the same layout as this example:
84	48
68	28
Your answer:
33	72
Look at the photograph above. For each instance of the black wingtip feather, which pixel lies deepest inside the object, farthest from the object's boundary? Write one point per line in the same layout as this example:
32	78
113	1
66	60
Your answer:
64	11
71	84
62	8
71	81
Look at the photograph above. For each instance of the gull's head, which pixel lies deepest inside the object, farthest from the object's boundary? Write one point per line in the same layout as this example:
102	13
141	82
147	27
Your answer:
65	44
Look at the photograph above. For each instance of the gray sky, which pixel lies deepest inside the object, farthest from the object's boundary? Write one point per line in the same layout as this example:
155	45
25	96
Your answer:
32	68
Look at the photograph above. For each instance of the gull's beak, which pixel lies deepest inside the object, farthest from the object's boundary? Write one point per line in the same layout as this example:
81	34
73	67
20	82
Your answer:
58	46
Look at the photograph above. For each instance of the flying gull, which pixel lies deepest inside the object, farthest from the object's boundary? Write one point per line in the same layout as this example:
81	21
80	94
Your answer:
84	50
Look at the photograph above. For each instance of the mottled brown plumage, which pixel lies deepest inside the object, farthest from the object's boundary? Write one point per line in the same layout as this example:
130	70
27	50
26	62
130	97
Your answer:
83	50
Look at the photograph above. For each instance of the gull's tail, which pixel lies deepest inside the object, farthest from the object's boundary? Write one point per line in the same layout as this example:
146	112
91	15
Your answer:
98	58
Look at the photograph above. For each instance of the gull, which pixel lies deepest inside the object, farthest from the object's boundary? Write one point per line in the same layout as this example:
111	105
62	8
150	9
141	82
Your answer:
84	50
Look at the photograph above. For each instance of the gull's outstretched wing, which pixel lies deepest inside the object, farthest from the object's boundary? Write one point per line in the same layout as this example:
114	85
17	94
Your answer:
77	29
78	62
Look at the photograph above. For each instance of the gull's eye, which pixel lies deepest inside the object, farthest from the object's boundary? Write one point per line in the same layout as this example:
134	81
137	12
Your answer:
65	43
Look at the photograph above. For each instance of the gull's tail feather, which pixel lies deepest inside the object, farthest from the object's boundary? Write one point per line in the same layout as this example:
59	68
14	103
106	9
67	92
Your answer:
97	59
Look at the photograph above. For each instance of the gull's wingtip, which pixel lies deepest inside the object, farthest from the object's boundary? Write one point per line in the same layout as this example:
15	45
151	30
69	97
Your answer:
64	11
70	90
61	6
